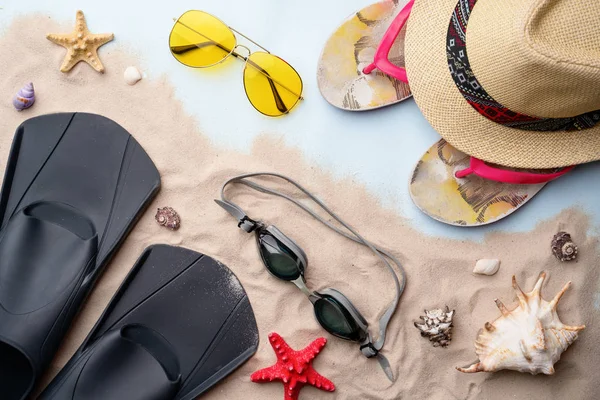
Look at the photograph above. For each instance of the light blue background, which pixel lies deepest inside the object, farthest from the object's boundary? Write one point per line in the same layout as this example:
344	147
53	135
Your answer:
376	148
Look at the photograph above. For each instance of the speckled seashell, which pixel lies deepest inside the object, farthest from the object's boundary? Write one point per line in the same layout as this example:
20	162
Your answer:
530	338
563	247
437	326
24	97
168	218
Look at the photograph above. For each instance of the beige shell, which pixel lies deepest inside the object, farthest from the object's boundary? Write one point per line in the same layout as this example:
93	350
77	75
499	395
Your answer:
487	266
132	75
529	338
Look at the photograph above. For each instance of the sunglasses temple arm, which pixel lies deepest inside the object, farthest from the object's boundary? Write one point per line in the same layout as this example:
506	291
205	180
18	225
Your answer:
189	47
278	100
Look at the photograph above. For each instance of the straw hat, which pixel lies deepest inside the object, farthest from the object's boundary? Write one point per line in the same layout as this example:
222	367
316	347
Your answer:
527	92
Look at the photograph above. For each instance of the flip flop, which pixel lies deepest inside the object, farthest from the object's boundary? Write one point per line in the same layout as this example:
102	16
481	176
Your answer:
362	64
457	189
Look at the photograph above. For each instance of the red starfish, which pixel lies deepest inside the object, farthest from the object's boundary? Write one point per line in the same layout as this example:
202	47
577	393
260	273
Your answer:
294	368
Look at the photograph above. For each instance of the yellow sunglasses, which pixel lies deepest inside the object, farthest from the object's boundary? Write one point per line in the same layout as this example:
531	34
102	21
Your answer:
200	40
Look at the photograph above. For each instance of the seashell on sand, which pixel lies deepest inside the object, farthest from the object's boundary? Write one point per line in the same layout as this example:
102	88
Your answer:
486	266
25	97
168	218
437	326
132	75
563	247
530	338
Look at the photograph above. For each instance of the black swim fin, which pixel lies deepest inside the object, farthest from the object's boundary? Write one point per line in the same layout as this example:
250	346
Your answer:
75	184
180	323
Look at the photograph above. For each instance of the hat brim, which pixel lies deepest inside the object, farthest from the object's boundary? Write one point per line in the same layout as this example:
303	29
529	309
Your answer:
464	128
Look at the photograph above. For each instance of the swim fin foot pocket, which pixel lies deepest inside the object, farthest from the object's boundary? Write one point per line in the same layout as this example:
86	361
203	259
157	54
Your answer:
75	184
180	322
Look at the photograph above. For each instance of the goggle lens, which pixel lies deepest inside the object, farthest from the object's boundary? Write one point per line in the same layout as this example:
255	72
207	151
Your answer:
278	258
336	319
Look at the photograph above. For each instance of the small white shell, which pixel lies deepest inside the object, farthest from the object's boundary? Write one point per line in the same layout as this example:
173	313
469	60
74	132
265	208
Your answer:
487	266
132	75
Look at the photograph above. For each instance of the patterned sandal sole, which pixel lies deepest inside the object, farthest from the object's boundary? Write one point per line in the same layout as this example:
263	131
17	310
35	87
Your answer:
470	201
350	49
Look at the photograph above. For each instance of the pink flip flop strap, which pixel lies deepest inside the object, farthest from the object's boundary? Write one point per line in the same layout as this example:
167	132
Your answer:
485	171
381	60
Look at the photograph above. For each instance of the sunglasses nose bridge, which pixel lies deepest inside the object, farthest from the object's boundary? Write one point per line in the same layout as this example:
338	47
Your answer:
237	53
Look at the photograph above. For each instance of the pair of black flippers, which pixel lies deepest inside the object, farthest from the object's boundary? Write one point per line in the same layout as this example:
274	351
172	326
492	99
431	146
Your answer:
75	184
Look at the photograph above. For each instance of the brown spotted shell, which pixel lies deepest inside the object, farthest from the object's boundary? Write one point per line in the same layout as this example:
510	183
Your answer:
168	218
563	247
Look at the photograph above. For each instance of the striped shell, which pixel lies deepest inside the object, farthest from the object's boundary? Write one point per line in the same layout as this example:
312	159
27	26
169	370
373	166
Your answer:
529	338
24	97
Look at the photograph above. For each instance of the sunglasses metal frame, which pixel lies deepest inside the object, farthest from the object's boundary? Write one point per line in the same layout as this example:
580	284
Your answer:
247	62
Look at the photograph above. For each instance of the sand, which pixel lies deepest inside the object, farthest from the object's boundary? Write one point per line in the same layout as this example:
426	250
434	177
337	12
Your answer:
439	270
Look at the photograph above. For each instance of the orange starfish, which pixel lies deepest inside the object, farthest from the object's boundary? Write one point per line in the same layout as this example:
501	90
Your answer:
81	45
294	368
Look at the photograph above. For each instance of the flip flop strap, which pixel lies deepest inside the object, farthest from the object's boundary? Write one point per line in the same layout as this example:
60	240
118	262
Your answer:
381	60
485	171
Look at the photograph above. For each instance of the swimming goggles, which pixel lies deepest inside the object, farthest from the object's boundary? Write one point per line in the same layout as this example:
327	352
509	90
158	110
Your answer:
201	40
284	259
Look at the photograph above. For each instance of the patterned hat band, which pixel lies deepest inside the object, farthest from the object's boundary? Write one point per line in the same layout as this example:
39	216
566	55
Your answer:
480	100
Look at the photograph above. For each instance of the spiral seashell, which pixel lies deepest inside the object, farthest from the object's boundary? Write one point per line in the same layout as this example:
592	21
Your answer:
563	247
168	218
24	97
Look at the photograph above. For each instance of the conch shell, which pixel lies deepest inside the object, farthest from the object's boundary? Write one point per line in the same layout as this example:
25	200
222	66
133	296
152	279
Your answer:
529	338
24	97
563	247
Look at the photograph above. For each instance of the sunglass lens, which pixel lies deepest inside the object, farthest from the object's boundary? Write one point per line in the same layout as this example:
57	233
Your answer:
272	85
278	258
334	317
200	40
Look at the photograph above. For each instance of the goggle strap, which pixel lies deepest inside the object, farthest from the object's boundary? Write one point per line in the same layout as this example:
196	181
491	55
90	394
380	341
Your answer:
385	364
244	222
370	350
353	235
